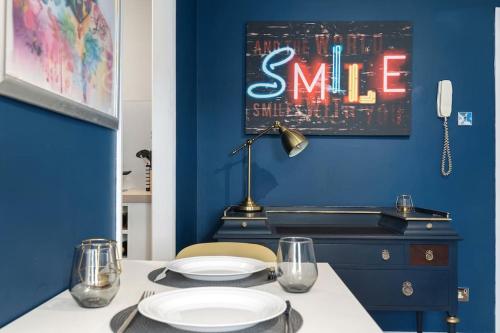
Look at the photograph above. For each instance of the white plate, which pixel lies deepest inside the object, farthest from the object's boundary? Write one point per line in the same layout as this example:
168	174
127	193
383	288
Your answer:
216	268
212	309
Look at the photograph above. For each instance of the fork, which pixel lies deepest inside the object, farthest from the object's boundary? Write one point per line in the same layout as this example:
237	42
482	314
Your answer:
132	314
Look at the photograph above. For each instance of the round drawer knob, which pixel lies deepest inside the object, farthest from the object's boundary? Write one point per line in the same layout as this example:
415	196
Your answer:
429	255
244	224
407	289
386	255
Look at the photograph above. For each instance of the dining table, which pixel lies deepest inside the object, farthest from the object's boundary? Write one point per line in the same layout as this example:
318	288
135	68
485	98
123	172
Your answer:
328	306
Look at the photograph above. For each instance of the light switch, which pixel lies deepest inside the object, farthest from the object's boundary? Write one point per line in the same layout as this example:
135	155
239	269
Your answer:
465	119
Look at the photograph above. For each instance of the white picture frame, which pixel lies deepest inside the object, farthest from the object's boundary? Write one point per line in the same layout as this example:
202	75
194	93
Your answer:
14	85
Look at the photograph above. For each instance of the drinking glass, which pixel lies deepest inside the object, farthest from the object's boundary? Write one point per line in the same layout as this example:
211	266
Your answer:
404	203
297	269
95	277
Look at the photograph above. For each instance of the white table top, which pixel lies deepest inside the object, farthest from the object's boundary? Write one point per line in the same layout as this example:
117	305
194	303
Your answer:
328	307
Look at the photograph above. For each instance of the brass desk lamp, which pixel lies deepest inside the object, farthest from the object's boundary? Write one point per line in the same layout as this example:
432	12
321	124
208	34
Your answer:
293	143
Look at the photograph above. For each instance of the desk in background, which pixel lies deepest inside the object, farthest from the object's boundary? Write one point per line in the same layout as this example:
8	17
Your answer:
390	261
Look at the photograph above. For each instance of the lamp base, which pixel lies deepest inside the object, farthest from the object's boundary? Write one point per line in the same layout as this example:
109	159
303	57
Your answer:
248	205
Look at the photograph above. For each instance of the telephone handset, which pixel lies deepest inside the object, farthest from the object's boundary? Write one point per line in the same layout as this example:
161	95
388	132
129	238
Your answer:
444	102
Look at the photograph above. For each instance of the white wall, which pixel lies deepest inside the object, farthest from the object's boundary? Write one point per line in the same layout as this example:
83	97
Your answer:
136	87
164	131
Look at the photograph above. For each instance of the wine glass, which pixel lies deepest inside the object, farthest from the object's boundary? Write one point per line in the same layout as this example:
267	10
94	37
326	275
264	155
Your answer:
95	277
297	269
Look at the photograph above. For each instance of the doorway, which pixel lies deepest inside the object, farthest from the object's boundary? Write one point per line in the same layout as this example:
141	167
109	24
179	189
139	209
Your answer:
145	212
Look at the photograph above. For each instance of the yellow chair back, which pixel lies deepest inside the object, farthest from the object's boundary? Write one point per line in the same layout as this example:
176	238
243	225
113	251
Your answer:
233	249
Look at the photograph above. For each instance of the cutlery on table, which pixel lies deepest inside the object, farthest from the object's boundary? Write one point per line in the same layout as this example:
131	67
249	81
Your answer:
271	275
288	321
132	314
162	275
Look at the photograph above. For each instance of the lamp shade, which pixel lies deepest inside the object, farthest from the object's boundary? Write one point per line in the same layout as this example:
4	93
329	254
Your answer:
293	141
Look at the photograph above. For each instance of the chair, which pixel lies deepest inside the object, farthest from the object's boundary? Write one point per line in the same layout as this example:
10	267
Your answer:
247	250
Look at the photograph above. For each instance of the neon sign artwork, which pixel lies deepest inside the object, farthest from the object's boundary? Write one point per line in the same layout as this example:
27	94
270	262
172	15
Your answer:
278	85
336	53
336	78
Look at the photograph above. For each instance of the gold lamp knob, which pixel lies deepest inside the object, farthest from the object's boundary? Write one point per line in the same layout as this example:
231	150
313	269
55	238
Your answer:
386	255
407	289
429	255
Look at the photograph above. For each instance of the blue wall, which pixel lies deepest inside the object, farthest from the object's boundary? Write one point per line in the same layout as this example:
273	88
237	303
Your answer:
186	124
453	39
57	186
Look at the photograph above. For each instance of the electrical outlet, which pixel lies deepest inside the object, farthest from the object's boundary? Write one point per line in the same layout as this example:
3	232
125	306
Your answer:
463	294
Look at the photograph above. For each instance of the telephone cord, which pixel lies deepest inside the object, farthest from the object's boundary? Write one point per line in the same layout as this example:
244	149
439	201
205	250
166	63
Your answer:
446	157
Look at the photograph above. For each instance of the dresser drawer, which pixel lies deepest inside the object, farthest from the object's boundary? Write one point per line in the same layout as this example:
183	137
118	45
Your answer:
428	255
361	254
398	288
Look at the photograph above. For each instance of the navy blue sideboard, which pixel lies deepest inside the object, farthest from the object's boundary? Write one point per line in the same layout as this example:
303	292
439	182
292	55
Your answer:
389	260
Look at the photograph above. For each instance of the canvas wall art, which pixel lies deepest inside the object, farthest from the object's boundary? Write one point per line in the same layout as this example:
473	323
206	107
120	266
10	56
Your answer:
63	55
329	78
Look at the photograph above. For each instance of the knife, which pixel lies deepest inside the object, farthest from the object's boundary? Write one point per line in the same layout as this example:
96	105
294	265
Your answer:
288	324
162	275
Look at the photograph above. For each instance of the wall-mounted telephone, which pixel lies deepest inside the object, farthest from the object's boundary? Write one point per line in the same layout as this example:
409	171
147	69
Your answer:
444	100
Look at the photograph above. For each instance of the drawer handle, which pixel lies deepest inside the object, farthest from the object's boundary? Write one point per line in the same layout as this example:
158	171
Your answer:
429	255
386	255
407	289
244	225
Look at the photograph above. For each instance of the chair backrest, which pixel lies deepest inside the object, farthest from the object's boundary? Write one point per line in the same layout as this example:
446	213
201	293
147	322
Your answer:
233	249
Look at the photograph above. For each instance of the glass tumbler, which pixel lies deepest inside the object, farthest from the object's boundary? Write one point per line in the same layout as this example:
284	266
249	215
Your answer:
297	269
95	277
404	203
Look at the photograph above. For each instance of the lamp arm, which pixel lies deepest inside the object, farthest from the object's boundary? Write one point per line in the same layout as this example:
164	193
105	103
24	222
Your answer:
249	142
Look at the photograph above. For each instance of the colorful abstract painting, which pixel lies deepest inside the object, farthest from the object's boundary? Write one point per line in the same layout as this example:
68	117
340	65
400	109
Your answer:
66	47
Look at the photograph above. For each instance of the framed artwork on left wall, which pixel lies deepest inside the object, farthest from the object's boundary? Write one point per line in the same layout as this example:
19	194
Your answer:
62	55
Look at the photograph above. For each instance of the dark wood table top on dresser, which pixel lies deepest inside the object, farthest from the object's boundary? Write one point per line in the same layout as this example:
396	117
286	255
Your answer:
389	260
